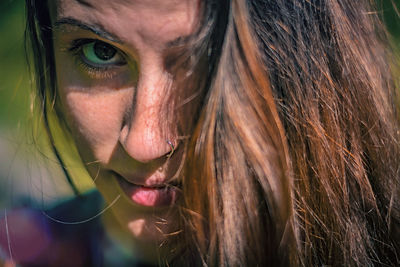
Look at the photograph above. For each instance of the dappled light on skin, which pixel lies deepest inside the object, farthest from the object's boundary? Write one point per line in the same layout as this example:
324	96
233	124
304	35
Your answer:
113	90
137	226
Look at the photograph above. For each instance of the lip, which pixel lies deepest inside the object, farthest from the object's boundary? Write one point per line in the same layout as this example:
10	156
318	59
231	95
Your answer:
158	195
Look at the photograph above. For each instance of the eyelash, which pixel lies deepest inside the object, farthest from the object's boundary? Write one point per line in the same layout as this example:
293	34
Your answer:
96	72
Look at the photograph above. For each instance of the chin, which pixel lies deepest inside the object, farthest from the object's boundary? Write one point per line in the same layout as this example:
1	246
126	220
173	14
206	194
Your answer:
146	224
151	236
152	228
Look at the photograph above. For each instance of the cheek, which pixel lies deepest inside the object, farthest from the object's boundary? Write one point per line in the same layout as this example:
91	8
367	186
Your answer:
95	120
94	108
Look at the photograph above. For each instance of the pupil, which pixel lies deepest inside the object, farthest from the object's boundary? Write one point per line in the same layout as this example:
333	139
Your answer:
104	51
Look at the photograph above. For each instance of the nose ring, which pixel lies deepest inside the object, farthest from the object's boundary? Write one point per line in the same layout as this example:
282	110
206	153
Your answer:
172	149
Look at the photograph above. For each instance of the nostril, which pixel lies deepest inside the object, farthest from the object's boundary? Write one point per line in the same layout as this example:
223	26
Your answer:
146	147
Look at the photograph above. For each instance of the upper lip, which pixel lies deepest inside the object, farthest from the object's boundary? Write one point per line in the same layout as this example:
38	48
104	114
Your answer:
150	177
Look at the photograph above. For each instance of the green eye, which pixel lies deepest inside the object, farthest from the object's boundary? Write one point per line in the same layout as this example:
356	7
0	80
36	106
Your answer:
98	53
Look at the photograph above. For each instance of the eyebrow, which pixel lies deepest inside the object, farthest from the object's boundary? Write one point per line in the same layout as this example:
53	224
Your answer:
96	29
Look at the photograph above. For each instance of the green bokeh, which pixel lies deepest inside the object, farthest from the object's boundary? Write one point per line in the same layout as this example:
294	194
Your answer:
14	86
391	9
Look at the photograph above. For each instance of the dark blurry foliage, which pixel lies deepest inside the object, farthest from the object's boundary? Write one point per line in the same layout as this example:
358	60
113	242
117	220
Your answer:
14	86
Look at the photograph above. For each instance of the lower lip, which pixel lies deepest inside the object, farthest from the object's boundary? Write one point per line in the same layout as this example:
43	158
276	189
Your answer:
149	196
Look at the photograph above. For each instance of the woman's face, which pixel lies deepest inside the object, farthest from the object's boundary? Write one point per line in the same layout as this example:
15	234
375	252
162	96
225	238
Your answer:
112	87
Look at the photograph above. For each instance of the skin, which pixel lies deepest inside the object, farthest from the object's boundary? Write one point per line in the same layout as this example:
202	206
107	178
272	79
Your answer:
115	114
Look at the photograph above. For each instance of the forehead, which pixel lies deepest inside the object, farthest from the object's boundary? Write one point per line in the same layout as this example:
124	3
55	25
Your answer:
147	20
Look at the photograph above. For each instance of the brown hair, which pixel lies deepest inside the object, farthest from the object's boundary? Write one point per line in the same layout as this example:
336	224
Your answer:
293	156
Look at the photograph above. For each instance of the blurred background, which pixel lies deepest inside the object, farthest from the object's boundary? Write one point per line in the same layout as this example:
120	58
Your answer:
24	167
25	173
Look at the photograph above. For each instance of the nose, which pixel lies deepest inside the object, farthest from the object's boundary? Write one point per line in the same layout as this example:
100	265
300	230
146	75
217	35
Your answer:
144	135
